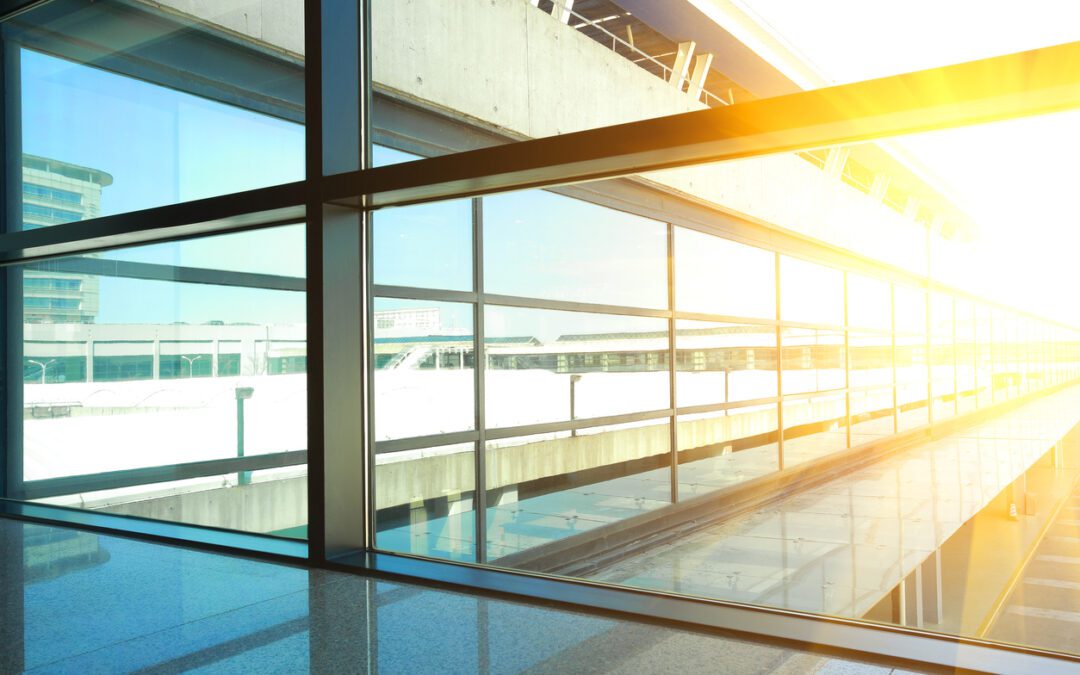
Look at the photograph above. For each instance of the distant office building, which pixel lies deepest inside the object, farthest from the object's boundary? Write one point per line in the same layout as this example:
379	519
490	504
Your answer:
401	322
56	192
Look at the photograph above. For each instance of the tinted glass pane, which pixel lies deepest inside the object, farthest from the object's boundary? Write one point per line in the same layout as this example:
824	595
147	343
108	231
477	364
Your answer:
717	276
424	380
814	360
722	363
151	368
814	427
552	366
150	123
723	448
543	245
871	359
871	415
570	486
810	293
427	245
424	502
869	303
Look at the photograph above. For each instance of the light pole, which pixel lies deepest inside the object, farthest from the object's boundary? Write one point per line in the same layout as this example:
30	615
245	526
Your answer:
242	394
43	366
191	364
574	379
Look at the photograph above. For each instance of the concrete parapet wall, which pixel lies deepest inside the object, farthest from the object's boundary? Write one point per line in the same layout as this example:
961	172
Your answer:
263	506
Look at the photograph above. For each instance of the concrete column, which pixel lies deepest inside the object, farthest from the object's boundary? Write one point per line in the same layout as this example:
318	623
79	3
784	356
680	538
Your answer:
157	359
214	358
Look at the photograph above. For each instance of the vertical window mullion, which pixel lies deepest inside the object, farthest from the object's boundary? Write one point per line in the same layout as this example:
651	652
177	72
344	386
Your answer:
779	368
11	282
672	368
479	401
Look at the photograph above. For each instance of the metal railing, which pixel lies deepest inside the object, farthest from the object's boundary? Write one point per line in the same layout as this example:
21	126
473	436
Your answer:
666	73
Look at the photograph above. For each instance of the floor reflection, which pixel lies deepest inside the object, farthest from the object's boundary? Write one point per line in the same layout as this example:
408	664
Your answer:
80	602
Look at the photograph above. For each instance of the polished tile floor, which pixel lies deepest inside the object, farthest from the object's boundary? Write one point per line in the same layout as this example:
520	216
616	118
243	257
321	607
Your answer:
77	602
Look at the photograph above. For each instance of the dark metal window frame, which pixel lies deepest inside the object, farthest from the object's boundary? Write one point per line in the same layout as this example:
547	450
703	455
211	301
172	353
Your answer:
334	204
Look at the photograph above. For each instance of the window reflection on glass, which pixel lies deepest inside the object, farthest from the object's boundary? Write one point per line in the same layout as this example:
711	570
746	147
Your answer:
134	144
424	501
549	488
543	245
424	246
722	448
814	360
550	366
151	366
810	293
717	276
723	363
424	379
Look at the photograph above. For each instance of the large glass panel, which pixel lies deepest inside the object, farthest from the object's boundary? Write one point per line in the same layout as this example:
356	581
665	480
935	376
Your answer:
554	366
424	246
551	496
814	360
717	276
722	448
871	414
129	106
871	359
723	363
544	245
146	371
942	356
967	357
810	293
424	372
986	372
869	303
814	426
912	375
424	501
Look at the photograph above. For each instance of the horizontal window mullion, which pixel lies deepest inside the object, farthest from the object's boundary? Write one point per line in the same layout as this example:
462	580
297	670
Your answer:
811	326
723	318
950	96
733	405
811	394
422	442
539	303
104	267
577	424
414	293
253	209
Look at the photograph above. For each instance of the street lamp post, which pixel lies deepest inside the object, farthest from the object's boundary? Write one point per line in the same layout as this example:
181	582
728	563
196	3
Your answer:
242	394
43	366
191	364
574	379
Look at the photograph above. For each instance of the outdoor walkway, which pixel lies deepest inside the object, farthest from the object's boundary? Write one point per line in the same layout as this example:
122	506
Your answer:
840	548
